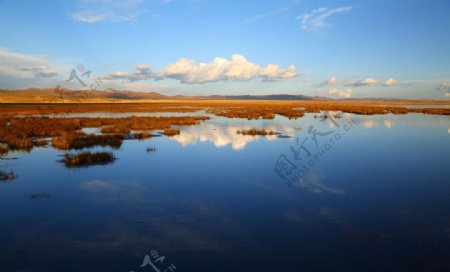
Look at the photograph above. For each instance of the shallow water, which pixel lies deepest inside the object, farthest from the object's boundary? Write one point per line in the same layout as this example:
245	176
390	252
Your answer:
374	198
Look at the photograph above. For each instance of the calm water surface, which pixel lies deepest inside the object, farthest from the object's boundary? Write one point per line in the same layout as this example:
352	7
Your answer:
358	193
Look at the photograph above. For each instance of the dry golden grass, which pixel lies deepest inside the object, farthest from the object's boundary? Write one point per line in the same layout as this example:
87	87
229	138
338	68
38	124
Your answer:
18	133
251	109
80	141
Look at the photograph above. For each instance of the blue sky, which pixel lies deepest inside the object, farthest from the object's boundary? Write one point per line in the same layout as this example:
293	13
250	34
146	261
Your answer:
197	47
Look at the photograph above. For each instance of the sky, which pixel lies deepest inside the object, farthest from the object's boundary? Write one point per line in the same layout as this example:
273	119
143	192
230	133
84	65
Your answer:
339	49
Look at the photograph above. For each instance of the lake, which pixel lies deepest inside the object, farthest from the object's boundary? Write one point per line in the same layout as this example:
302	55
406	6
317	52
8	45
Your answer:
355	193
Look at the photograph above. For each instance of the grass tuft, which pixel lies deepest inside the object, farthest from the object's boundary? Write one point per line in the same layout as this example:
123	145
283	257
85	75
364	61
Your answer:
87	159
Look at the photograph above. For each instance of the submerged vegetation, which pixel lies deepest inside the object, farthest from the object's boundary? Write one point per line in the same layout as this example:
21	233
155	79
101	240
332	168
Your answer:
6	176
88	158
40	196
254	132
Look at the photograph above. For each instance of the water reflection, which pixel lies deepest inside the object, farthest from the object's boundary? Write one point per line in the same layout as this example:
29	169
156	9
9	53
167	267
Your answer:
222	134
208	208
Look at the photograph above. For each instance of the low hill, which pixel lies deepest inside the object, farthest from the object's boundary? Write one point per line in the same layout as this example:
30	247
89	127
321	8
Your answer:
59	95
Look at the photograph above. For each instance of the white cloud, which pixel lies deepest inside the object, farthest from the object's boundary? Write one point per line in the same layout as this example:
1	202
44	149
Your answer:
88	17
264	15
274	73
141	72
238	68
93	11
390	82
347	93
17	65
40	71
328	82
317	18
370	81
443	87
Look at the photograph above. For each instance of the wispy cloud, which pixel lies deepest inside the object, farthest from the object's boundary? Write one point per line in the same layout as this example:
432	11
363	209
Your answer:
238	68
20	65
317	18
93	11
141	72
264	15
444	87
40	71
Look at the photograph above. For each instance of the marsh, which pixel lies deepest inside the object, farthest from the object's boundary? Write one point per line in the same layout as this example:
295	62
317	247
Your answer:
212	199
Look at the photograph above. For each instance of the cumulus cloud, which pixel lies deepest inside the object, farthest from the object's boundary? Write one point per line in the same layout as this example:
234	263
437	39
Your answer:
238	68
347	93
317	18
390	82
328	82
370	81
274	73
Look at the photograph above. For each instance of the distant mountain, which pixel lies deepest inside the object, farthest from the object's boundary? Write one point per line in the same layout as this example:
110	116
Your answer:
275	97
58	94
